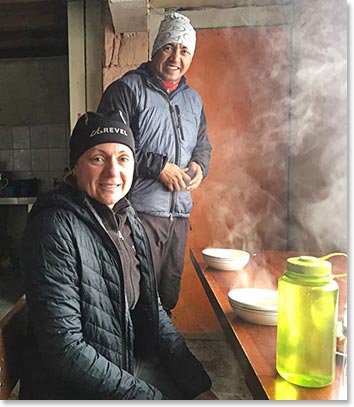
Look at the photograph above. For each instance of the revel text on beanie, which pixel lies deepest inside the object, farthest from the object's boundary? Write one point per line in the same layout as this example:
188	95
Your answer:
97	128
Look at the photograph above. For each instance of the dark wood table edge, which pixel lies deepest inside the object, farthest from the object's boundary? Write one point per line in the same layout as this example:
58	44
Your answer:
252	381
258	390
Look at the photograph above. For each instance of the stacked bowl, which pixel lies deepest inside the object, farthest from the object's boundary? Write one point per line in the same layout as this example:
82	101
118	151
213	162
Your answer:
225	259
256	305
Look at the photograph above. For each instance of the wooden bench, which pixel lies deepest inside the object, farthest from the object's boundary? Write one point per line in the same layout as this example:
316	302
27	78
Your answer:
13	328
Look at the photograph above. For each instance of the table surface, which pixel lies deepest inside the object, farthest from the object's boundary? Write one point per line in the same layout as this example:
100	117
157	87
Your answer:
255	345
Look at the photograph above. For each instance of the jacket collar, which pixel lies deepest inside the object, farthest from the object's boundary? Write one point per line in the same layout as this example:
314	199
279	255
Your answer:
151	79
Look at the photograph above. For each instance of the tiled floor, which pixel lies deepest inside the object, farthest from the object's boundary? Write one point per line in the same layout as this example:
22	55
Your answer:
214	353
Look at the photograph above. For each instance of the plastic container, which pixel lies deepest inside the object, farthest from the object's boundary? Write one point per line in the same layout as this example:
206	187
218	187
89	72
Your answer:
307	318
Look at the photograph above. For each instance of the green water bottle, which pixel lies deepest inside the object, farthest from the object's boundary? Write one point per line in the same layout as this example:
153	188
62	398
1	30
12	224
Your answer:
307	319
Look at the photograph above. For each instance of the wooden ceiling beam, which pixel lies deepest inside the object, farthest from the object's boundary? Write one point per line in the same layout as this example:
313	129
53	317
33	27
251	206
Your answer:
28	37
33	28
42	15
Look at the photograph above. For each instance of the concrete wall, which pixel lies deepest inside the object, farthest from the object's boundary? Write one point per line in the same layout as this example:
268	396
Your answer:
34	126
33	91
34	118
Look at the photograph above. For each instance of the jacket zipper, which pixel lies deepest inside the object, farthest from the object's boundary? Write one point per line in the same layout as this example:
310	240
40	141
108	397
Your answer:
125	244
176	129
124	313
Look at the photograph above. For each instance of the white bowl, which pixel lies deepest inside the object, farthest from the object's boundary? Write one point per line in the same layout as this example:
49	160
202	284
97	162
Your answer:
260	299
225	259
256	317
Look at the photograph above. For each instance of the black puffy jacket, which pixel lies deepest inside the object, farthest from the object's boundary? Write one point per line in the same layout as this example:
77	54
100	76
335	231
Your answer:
82	337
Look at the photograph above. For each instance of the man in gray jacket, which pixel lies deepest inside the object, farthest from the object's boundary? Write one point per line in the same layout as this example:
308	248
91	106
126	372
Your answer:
173	150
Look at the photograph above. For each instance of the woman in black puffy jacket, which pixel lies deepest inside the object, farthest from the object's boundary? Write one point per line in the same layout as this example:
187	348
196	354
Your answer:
97	329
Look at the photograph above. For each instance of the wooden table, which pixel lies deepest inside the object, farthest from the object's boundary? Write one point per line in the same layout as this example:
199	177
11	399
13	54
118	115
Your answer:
255	345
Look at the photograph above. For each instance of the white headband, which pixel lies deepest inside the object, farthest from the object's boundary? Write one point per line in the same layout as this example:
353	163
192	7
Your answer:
175	29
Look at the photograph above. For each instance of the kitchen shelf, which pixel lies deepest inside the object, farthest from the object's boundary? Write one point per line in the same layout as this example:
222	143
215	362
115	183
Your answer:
29	201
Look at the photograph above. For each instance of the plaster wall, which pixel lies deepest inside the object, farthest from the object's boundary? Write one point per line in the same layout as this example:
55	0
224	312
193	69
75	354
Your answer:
34	118
34	91
34	125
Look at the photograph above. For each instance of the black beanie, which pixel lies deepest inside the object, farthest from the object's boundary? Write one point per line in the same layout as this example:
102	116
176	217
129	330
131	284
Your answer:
98	128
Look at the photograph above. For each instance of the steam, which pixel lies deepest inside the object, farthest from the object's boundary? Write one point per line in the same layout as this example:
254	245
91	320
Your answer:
307	213
256	276
318	149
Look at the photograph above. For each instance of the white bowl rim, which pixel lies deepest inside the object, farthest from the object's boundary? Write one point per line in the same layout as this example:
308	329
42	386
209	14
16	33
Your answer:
224	254
255	311
223	266
257	318
261	299
262	320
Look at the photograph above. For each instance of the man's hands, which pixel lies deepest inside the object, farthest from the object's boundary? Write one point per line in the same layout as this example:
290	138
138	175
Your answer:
177	179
